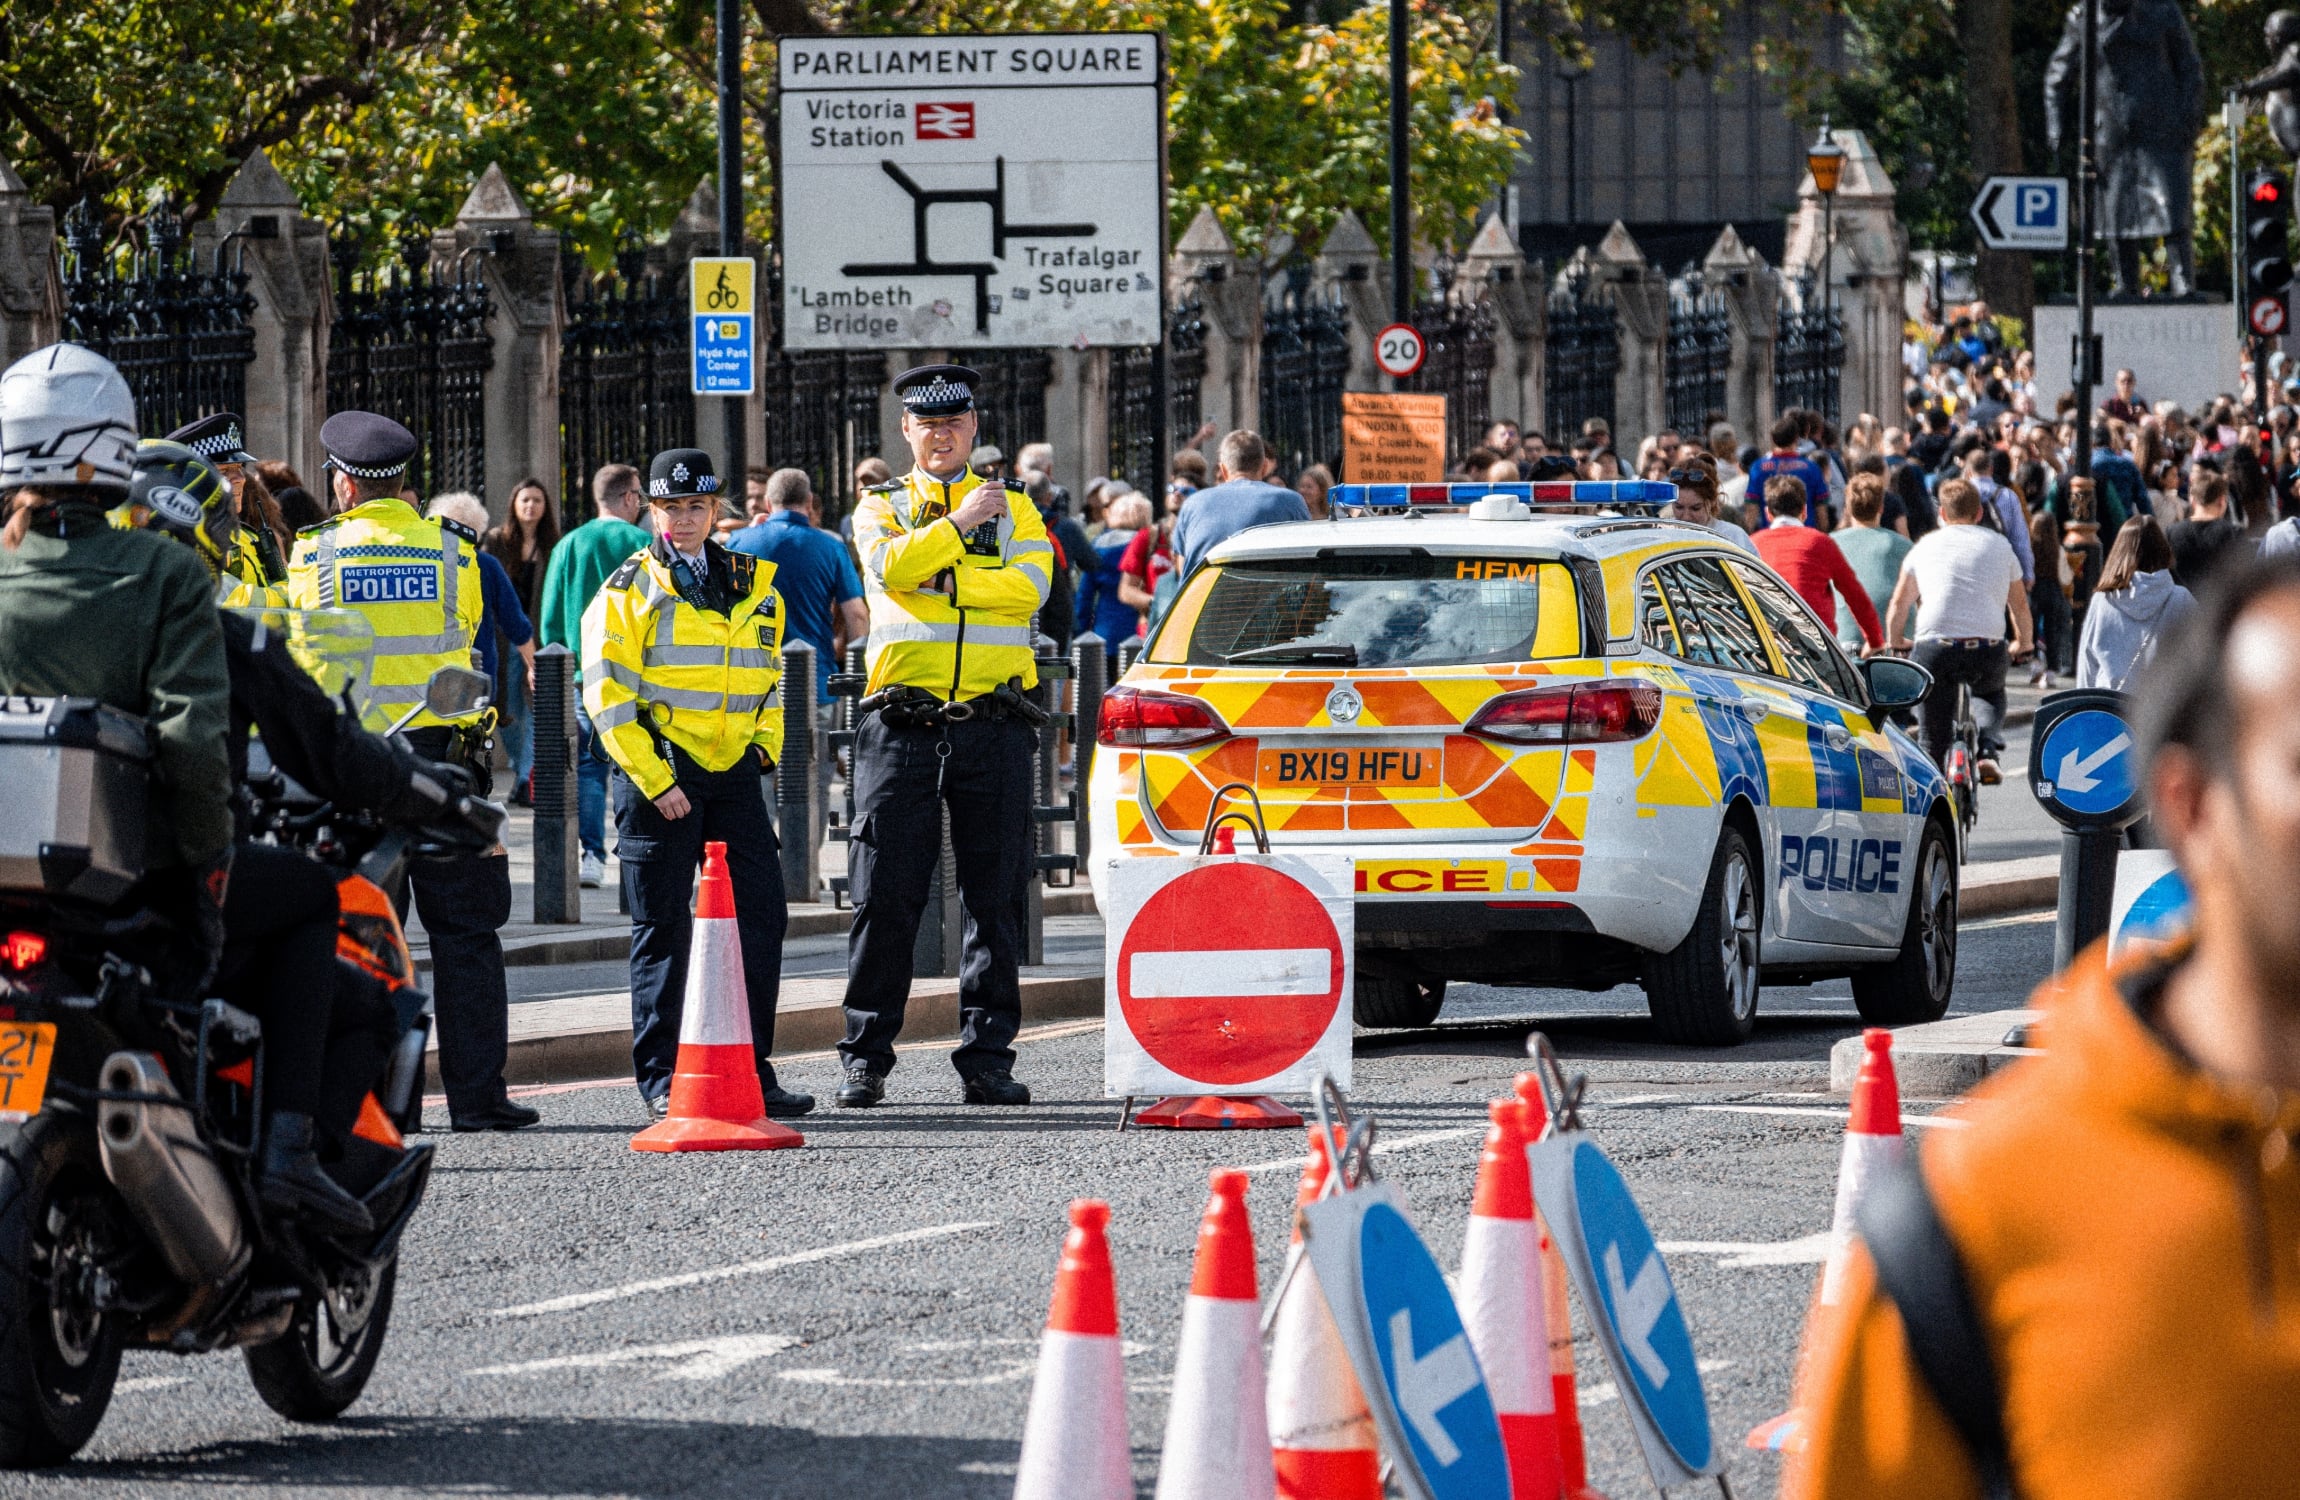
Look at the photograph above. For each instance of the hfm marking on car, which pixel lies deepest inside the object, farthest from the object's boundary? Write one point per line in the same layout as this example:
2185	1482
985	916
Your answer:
1864	865
1495	568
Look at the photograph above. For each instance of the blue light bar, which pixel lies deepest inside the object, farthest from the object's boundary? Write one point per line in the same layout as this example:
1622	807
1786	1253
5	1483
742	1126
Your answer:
1560	492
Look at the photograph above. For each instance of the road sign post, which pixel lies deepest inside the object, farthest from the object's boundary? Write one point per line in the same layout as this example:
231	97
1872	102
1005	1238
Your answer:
2022	213
1405	1338
2085	774
721	300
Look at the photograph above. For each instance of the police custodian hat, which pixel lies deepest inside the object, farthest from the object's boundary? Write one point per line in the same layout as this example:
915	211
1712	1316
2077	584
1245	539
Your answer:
680	472
216	439
937	390
367	446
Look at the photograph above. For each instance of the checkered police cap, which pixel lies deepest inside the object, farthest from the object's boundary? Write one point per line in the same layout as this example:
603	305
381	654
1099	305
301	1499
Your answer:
937	390
681	472
367	446
216	439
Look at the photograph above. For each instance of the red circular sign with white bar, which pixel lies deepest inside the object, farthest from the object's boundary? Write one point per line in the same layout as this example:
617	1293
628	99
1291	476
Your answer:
1230	973
2268	316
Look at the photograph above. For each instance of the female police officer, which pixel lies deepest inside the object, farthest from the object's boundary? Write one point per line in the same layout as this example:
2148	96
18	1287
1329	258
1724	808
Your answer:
682	657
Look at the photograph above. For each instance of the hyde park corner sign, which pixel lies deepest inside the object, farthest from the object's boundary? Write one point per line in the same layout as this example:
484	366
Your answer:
972	192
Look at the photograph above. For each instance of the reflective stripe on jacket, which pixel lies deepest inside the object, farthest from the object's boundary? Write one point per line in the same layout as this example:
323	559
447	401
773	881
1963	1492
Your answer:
417	583
953	622
657	667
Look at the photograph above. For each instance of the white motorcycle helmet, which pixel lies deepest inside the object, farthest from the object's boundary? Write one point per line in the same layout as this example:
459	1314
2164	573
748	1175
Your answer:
66	418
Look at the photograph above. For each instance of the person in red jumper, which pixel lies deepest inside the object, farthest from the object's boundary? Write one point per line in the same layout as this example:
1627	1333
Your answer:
1809	562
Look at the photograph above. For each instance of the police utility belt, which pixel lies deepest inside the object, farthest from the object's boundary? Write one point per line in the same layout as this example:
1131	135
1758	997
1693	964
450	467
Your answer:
905	707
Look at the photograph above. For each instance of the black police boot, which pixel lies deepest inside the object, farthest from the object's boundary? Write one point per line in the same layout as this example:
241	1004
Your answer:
294	1182
781	1103
505	1115
863	1088
996	1088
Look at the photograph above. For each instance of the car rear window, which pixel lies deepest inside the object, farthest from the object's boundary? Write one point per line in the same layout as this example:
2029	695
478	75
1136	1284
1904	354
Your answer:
1392	610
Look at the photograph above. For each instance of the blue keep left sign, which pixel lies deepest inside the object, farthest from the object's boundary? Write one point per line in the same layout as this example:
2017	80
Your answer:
2085	762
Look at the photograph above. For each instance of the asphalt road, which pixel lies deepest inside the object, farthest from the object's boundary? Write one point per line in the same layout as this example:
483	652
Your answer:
578	1320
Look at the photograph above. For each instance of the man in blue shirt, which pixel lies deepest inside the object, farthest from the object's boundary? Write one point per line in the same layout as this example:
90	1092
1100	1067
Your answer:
1785	459
2116	480
822	592
1243	497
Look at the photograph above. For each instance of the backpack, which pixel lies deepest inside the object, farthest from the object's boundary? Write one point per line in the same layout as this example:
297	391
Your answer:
1919	1270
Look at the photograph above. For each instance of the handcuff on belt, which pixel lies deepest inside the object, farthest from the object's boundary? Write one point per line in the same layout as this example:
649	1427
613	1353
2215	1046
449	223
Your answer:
904	707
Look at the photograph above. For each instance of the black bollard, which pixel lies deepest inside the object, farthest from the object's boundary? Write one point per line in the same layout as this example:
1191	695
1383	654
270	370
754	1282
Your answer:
797	786
558	852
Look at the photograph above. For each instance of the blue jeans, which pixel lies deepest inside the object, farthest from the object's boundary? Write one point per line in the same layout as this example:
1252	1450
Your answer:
518	718
590	788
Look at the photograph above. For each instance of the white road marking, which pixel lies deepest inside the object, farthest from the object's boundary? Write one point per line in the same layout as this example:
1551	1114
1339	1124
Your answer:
696	1359
1009	1373
1230	973
1929	1121
1605	1390
1381	1147
152	1383
1809	1250
727	1273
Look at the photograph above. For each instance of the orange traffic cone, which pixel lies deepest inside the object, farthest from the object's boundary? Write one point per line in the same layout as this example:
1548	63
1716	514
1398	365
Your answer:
1074	1444
1502	1306
1572	1454
1217	1431
1873	1142
1320	1429
715	1100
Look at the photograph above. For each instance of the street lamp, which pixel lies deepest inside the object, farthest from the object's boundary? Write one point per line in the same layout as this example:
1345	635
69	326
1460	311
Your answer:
1825	159
1570	70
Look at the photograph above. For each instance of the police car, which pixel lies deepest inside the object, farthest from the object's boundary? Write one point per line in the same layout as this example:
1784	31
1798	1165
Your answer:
1567	743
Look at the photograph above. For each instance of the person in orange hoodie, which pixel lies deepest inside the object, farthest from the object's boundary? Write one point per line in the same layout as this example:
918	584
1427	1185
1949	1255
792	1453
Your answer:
2125	1209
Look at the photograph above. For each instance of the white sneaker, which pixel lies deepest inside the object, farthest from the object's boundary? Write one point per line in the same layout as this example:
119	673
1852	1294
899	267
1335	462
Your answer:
594	872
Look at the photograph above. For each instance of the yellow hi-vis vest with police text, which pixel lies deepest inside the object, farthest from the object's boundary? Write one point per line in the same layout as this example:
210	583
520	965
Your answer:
945	618
415	580
243	584
655	665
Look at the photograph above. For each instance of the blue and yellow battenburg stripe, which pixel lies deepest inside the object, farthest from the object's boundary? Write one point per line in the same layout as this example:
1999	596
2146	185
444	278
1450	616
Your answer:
1599	492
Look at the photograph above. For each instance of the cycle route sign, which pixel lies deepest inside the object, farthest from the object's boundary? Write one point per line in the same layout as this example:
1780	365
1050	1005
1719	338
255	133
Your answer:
720	298
972	192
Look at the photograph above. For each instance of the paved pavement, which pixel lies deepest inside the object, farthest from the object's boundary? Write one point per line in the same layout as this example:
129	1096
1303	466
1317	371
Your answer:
575	1319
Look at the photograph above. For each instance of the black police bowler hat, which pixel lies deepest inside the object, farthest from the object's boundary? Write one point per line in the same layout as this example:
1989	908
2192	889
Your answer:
680	472
367	446
937	390
216	439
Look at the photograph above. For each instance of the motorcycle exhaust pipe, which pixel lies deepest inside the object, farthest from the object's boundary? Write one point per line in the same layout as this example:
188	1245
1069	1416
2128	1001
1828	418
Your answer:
153	1154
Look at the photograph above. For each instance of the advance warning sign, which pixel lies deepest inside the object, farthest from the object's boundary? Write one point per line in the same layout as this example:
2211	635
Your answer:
959	192
1392	437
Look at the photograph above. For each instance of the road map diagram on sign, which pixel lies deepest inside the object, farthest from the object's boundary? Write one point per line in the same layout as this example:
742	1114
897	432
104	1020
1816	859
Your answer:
923	200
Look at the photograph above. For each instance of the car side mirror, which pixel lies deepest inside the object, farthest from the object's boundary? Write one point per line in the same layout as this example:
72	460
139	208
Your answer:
456	692
1894	683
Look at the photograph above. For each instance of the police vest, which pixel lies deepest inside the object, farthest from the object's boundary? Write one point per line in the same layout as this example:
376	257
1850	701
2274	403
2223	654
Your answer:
657	668
417	583
950	613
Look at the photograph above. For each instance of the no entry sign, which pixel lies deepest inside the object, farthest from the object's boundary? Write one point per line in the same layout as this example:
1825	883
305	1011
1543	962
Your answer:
1228	975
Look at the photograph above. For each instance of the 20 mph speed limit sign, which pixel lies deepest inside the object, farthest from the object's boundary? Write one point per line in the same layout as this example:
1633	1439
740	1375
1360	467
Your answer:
1399	350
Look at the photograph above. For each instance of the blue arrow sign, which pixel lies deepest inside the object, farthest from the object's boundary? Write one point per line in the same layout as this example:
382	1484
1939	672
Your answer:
2087	762
1427	1363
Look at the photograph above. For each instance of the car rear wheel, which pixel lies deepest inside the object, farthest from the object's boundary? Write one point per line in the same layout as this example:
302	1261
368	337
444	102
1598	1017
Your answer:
1703	992
1383	1001
1916	985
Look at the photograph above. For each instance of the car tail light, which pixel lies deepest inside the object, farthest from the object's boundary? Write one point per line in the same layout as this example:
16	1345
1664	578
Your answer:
23	950
1589	713
1156	721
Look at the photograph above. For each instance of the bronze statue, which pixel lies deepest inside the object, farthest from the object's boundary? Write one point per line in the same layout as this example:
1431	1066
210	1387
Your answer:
2280	85
2148	104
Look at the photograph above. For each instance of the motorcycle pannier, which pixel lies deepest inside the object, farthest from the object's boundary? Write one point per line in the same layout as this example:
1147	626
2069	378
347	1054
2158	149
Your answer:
76	776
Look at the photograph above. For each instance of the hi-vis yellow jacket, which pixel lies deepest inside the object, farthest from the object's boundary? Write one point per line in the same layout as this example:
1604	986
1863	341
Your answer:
656	665
416	581
244	584
952	621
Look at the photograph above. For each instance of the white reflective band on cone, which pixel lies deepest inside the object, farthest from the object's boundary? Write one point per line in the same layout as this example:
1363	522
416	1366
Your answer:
717	1008
1074	1442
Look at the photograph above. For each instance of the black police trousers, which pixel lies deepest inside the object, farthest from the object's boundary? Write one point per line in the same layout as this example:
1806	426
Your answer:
464	903
278	965
890	864
660	858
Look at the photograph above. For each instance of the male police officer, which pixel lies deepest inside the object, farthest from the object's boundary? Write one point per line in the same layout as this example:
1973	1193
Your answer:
417	582
682	663
954	566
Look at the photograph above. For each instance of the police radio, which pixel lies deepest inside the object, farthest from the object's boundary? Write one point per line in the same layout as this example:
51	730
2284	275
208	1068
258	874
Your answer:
983	540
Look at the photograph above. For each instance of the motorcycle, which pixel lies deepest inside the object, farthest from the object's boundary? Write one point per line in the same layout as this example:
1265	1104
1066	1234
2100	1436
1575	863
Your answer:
132	1107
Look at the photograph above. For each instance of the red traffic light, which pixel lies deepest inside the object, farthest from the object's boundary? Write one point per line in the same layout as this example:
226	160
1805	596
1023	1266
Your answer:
2268	192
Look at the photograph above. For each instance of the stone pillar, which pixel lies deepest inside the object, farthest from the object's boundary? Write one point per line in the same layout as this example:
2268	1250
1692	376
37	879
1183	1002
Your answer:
1494	270
1753	303
1865	274
263	225
1205	264
31	282
521	265
1640	294
1350	266
1077	415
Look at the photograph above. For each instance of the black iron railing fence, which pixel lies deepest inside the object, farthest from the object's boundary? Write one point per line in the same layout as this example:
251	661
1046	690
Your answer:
1584	356
1305	363
177	329
410	341
624	383
1808	354
1700	351
1458	335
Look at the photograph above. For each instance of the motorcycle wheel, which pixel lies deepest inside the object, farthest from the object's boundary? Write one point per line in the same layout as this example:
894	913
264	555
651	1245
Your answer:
59	1233
319	1366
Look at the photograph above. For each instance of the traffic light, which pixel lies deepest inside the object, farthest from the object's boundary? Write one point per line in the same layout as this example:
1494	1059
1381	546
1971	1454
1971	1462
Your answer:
2267	249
